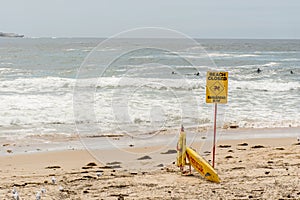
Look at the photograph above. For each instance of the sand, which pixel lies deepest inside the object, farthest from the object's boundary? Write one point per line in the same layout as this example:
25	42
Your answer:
254	168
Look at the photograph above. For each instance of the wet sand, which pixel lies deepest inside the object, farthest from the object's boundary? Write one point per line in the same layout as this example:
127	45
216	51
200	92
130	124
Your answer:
255	168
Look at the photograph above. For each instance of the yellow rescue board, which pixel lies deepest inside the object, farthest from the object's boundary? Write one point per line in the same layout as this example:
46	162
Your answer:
181	150
203	167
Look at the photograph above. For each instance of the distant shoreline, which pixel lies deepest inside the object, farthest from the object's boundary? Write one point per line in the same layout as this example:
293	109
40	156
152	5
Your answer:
10	35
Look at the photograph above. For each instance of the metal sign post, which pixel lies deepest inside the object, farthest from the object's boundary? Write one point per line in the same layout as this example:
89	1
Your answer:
216	92
215	135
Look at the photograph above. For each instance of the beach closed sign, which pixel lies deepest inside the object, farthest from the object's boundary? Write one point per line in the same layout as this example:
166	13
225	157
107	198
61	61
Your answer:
216	87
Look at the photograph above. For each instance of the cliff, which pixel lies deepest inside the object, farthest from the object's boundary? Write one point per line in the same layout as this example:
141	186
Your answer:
10	35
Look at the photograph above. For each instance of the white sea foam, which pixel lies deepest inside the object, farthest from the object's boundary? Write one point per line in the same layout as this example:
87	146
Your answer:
271	64
31	85
5	64
230	55
264	85
291	59
70	49
161	84
49	101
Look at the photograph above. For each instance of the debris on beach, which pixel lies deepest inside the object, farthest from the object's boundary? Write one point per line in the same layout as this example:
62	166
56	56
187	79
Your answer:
16	196
170	151
14	190
60	188
257	147
53	167
227	157
9	151
91	164
224	146
43	190
234	126
144	158
38	196
113	165
160	165
99	173
53	179
243	144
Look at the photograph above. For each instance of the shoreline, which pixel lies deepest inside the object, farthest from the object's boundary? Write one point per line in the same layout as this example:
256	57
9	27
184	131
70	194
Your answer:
59	142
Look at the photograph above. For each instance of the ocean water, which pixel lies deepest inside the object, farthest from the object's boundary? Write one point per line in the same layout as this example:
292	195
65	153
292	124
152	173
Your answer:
70	85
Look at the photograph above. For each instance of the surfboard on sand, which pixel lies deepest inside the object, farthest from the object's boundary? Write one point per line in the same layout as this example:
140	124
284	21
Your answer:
202	166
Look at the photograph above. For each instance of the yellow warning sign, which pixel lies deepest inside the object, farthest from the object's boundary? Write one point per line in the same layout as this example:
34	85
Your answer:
216	87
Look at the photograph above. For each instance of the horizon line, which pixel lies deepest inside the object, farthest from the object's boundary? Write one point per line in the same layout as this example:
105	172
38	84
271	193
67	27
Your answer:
196	38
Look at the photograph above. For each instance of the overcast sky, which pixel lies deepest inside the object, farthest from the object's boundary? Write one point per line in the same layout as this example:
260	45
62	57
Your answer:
196	18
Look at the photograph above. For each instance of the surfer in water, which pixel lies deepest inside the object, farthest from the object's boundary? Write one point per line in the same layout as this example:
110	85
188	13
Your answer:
181	151
258	70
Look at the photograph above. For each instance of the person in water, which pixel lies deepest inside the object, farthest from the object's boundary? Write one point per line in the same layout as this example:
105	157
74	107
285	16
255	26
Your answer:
258	70
292	72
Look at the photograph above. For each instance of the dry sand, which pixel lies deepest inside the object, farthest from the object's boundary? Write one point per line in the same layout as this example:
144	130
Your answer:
249	169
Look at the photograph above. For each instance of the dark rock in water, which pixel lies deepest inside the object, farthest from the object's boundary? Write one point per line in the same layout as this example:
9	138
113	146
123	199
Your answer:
227	157
160	165
170	151
144	158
